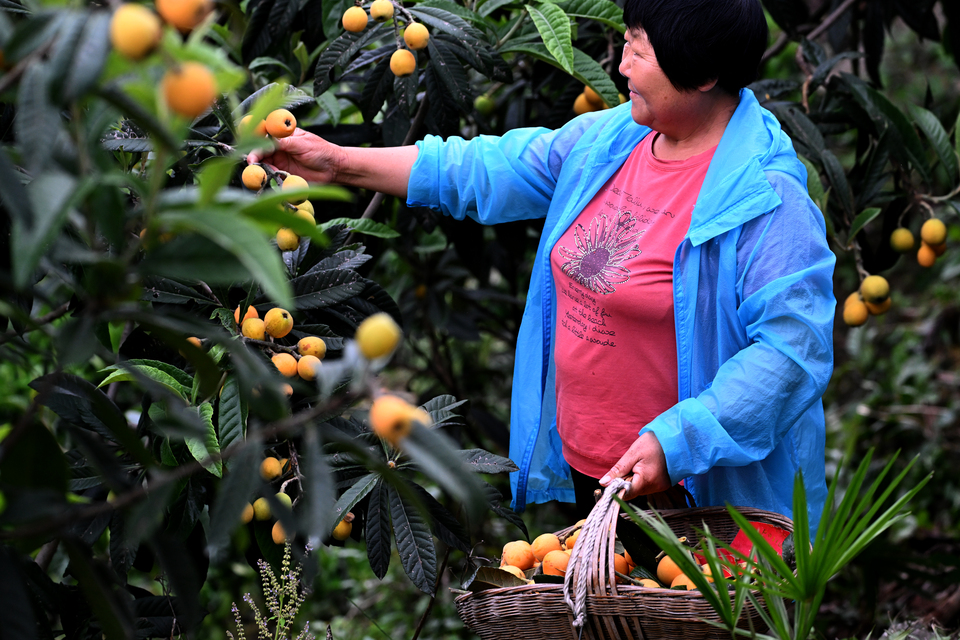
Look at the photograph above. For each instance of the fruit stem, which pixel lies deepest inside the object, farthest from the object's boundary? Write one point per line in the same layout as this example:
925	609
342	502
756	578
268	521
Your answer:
271	345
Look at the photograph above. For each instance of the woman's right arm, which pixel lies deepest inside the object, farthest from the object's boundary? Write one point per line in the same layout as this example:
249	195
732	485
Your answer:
385	169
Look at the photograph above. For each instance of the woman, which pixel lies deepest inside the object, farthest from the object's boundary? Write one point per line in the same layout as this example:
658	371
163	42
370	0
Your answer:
678	323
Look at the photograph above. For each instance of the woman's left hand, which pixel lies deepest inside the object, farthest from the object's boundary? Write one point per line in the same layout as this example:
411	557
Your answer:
646	462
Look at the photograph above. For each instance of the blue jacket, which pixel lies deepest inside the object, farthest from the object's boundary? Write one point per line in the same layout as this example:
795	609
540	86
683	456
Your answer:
753	301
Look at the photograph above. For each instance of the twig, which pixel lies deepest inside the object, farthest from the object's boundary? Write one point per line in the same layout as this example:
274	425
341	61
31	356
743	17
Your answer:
433	598
830	19
35	324
14	74
512	31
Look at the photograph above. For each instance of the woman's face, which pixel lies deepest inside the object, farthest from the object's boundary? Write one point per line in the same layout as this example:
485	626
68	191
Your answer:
656	102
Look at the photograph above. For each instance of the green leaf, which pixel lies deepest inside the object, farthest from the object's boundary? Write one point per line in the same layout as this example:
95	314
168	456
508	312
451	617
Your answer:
554	27
167	375
319	289
213	175
938	137
434	455
108	610
338	54
88	57
838	180
165	290
206	450
814	185
444	525
319	492
332	10
362	225
490	6
414	542
243	240
449	23
451	72
377	530
50	196
485	462
862	220
497	578
329	103
231	415
585	69
239	484
603	11
353	495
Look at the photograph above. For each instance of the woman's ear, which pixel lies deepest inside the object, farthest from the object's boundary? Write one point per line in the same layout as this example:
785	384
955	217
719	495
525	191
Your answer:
709	85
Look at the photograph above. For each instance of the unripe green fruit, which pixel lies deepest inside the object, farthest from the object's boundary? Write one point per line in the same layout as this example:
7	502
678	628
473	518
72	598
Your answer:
484	105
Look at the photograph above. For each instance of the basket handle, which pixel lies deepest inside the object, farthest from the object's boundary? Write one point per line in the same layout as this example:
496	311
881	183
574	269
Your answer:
591	561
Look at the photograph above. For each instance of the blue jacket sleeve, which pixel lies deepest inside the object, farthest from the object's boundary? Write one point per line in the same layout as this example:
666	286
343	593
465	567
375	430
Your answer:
493	178
786	312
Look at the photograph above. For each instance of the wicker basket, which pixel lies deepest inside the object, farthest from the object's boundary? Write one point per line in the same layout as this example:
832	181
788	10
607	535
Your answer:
613	612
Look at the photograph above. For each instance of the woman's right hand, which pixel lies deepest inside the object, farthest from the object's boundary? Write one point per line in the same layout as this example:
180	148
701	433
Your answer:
304	154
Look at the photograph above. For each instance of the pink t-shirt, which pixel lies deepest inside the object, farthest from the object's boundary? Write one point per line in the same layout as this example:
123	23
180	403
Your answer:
615	351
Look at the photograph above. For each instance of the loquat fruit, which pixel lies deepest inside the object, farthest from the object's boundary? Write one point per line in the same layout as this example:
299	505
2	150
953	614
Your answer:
555	563
416	36
307	206
926	255
306	215
650	584
484	105
683	581
939	249
247	127
286	364
403	63
135	30
253	328
571	542
875	289
354	19
381	10
281	123
261	509
377	336
278	534
391	417
620	564
254	177
878	308
287	390
292	182
516	571
593	97
277	322
933	232
312	346
247	514
343	529
285	499
581	105
270	469
544	544
195	341
667	570
189	89
518	553
287	239
307	367
251	313
184	14
855	313
901	240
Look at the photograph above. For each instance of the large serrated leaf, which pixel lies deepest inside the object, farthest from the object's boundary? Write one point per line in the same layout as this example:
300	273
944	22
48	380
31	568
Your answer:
377	530
338	54
802	129
414	542
937	135
814	185
603	11
494	578
231	415
494	502
242	239
79	402
585	69
838	180
485	462
452	74
376	86
238	486
206	450
444	525
321	289
554	27
435	456
128	372
167	291
353	495
441	408
362	225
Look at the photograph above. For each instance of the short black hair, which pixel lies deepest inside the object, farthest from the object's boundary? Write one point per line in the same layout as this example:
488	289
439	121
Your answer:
697	41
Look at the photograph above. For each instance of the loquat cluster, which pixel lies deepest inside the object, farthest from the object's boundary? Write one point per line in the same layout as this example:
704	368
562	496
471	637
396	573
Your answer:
403	62
871	299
